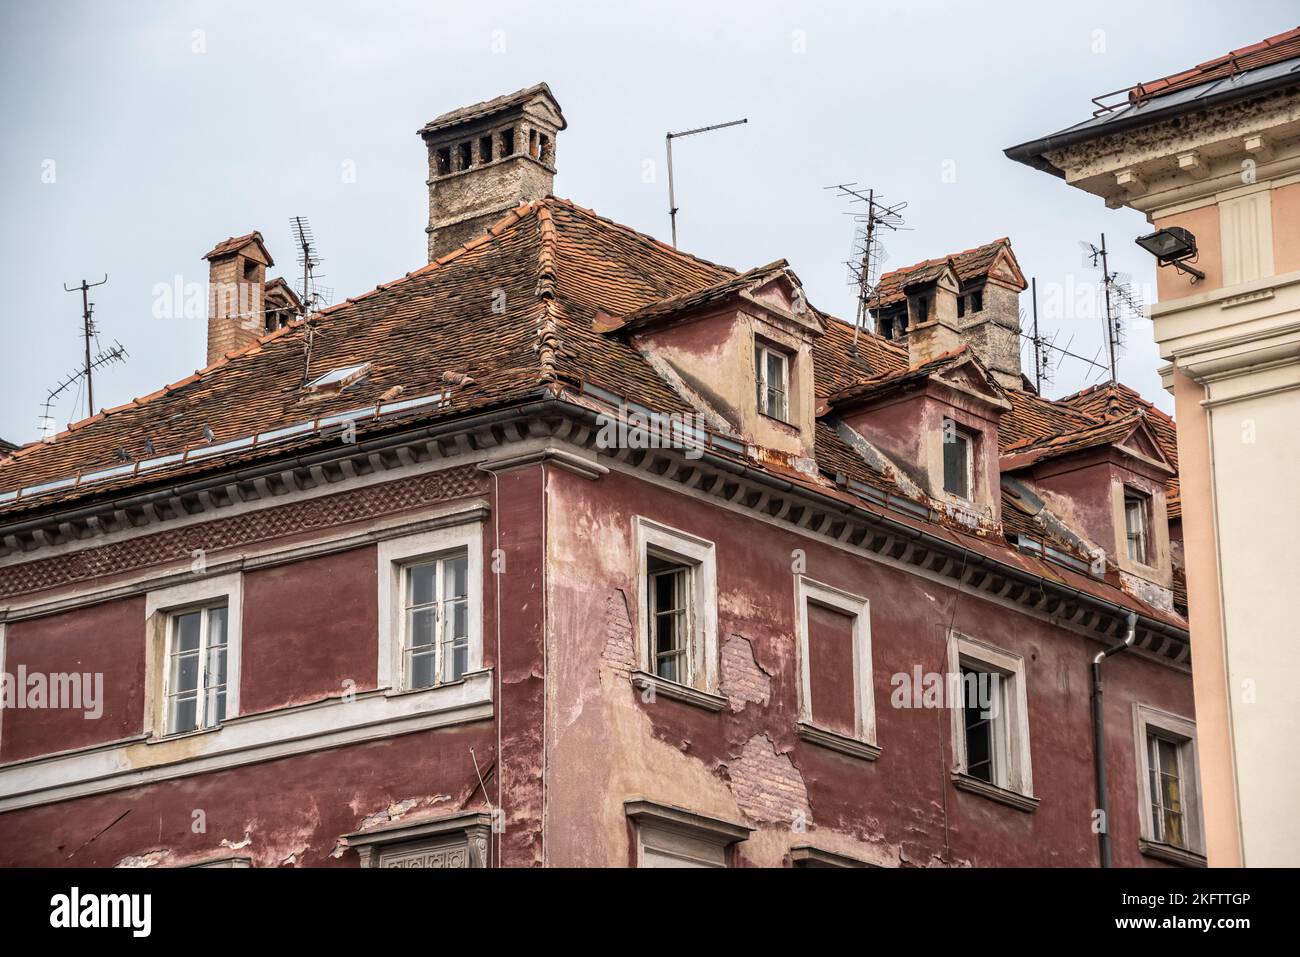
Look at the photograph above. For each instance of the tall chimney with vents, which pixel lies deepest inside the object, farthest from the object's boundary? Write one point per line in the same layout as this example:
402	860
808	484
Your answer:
932	319
236	288
485	160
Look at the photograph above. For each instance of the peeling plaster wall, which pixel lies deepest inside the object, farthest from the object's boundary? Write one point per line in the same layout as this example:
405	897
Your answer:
293	811
289	812
608	744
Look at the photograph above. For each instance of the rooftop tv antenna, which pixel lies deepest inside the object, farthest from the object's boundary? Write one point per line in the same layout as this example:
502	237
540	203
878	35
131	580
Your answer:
867	253
668	140
88	332
1120	302
313	295
114	353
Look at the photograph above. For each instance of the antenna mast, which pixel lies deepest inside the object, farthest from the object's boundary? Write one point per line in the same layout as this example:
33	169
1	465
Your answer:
867	253
312	295
668	140
1119	296
87	333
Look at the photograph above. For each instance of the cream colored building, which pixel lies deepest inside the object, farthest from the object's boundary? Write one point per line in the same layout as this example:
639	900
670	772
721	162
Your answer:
1216	151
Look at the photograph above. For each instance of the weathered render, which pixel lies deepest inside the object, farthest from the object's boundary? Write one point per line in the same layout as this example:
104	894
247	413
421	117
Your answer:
574	410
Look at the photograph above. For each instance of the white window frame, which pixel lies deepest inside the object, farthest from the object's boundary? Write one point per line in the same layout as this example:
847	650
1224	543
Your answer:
161	607
1181	731
676	837
675	545
394	556
968	436
762	350
1145	501
859	608
1014	772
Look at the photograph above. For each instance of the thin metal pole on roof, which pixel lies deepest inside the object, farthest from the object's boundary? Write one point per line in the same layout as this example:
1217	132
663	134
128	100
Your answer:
1110	322
87	331
668	140
1038	364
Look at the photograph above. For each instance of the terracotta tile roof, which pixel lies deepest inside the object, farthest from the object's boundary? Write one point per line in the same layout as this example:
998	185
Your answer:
474	111
1275	49
969	264
1110	400
1034	417
435	332
1105	432
896	378
697	299
236	243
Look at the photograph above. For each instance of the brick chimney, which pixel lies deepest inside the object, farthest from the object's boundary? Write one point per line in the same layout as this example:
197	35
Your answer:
486	159
236	287
971	297
932	318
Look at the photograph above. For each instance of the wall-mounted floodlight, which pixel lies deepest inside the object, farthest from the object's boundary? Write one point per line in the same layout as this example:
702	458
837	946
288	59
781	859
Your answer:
1172	246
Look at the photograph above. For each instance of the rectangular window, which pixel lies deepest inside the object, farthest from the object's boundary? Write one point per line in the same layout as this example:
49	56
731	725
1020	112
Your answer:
677	614
507	142
464	156
1167	812
990	717
670	618
977	301
1167	788
1137	518
485	149
836	699
984	724
958	445
197	647
771	374
435	646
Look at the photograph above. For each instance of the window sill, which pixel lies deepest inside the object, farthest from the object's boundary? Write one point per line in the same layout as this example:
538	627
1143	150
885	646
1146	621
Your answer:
644	680
463	679
1171	854
834	741
182	735
1021	802
777	420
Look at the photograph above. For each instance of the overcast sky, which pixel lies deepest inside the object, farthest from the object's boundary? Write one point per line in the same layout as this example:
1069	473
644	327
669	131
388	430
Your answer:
166	127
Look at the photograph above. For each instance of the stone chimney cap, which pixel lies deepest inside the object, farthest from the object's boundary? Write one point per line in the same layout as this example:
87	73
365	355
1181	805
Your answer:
476	111
235	243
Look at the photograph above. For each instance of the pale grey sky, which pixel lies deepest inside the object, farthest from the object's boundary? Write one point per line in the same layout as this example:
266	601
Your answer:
164	140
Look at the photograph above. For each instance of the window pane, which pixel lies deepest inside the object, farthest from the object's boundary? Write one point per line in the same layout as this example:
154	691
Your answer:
421	668
456	577
186	635
956	454
978	724
184	712
217	626
216	667
420	583
421	627
455	660
185	673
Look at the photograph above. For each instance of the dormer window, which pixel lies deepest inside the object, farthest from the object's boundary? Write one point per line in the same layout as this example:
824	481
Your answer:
1137	525
771	378
958	459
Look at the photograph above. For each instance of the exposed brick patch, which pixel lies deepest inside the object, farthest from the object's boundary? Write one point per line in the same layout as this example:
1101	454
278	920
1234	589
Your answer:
619	651
743	679
767	785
